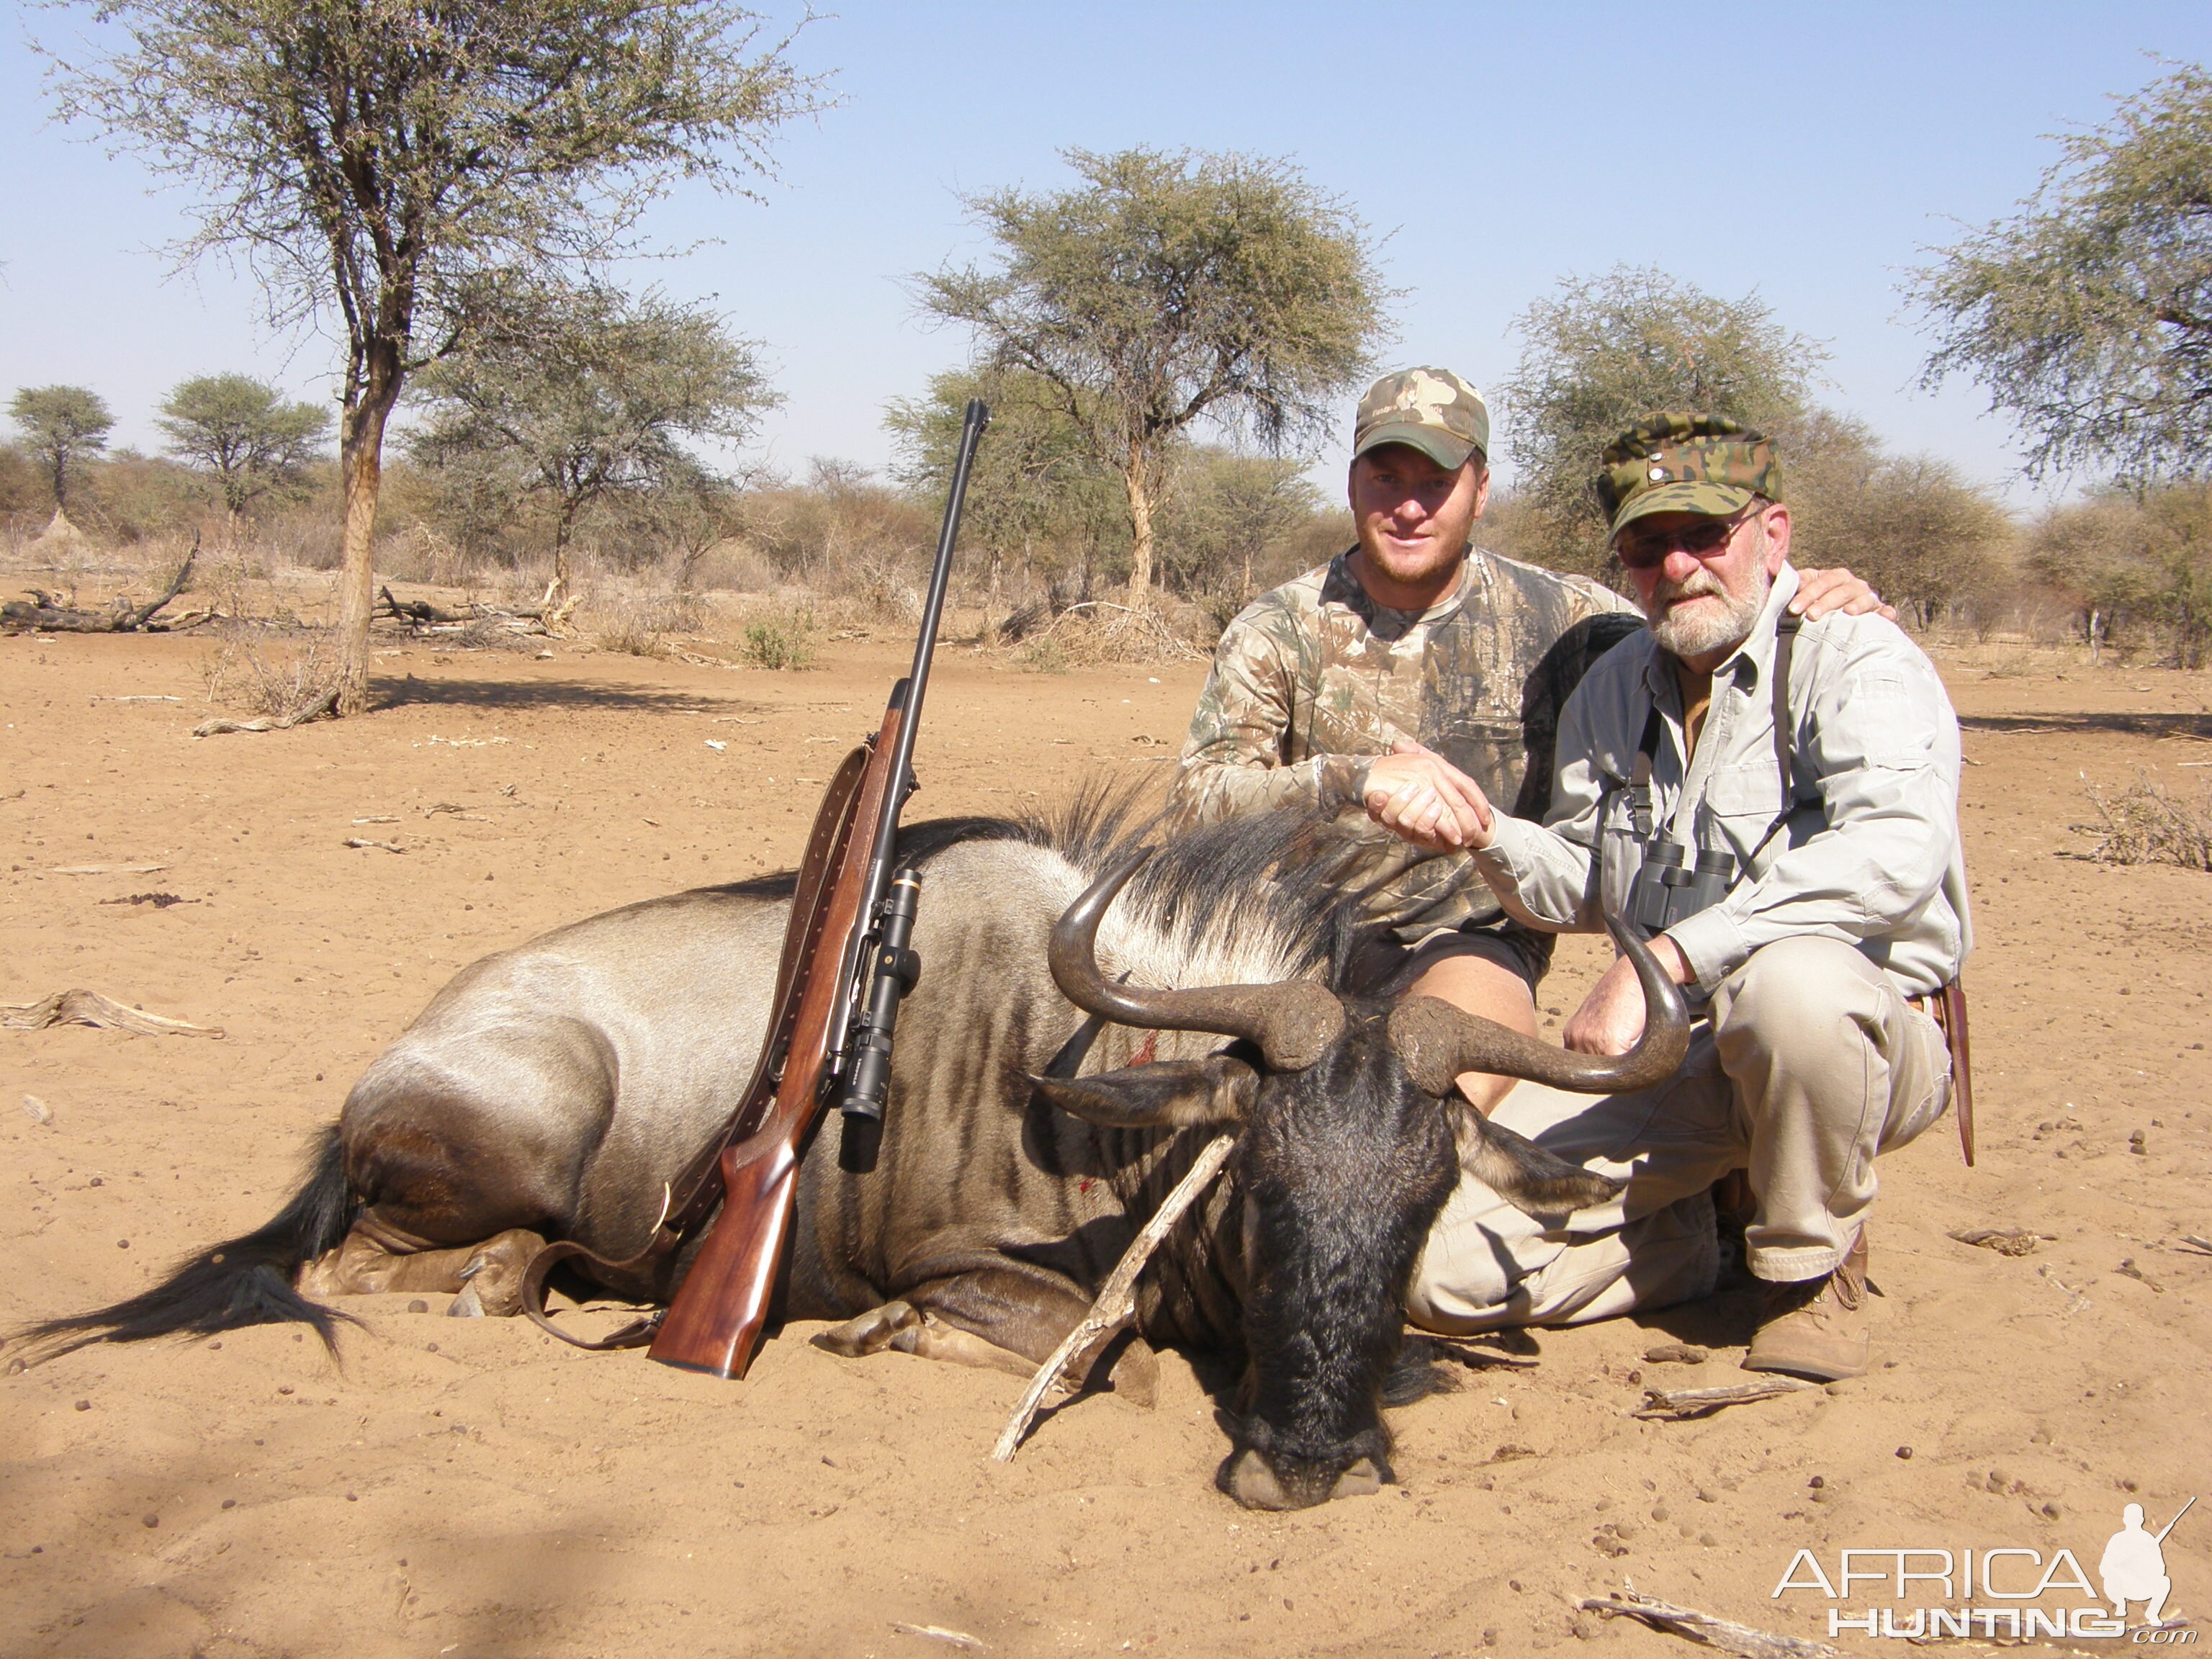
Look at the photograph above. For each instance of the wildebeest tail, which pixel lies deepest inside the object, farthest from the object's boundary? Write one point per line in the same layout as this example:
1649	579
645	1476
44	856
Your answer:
242	1281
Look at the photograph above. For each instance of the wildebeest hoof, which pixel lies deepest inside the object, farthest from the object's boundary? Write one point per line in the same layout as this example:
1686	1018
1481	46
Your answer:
1136	1375
869	1333
468	1304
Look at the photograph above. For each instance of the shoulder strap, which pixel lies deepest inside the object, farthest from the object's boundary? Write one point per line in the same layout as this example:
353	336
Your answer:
1785	638
1647	748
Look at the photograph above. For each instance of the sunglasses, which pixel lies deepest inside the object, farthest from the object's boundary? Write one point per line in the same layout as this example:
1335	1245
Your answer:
1647	550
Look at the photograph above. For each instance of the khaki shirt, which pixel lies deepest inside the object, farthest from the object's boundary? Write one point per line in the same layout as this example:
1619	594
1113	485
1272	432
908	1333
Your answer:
1315	679
1870	854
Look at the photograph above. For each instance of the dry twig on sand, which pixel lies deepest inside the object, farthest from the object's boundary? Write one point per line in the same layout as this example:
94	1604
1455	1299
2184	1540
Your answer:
1116	1304
957	1638
1722	1633
1677	1404
2005	1241
90	1008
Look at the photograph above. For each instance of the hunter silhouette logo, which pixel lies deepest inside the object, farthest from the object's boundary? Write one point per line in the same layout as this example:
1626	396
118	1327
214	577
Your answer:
2133	1565
2007	1591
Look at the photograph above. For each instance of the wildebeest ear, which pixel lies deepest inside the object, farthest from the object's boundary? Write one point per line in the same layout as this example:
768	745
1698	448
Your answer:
1167	1094
1524	1174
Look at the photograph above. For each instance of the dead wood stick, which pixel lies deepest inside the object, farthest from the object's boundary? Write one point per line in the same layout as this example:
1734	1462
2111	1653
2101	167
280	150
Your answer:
90	1008
138	619
1679	1403
325	703
1725	1634
1116	1304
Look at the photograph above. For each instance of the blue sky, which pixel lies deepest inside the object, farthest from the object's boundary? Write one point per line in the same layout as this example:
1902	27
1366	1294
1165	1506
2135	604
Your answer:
1806	152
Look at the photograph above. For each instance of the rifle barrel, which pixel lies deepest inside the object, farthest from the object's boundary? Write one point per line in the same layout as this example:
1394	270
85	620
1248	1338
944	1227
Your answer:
925	646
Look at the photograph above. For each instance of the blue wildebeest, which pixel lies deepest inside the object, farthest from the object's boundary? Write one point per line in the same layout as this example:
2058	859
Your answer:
1060	1062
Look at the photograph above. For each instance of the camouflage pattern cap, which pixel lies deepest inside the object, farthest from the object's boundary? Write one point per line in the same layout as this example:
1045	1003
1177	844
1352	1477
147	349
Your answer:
1431	409
1674	462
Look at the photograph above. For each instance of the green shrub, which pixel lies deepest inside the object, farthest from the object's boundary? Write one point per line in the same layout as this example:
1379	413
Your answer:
784	641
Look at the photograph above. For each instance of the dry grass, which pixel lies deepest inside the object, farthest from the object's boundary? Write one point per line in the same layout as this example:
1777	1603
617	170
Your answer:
2147	824
280	675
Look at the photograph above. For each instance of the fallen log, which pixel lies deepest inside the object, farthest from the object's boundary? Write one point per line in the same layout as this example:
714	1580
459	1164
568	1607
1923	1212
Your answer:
44	614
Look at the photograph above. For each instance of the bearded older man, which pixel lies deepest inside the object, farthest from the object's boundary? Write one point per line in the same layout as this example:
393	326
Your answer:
1413	660
1775	805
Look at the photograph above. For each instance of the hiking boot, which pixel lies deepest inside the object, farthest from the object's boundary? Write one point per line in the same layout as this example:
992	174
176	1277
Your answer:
1816	1327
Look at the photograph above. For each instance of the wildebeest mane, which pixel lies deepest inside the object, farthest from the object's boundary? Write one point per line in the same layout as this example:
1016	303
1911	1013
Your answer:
1277	893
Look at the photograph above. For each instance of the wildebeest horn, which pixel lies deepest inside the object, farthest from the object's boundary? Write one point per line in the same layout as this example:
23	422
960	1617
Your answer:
1293	1024
1438	1042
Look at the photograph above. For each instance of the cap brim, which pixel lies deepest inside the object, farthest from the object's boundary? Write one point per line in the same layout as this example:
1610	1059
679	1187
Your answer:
1715	501
1446	451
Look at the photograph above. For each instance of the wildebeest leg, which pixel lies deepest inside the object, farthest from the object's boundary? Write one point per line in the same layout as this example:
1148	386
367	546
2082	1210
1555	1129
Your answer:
374	1257
1000	1320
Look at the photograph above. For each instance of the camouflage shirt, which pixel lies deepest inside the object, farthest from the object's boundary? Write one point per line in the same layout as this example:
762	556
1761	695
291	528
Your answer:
1315	678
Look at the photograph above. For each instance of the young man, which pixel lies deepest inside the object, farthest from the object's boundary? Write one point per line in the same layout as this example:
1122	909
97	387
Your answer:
1776	807
1410	661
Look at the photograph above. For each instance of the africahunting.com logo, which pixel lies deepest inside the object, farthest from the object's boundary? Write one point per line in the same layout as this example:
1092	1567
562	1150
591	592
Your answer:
2006	1592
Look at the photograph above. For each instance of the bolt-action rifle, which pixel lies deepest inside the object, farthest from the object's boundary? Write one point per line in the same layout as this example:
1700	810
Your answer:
847	962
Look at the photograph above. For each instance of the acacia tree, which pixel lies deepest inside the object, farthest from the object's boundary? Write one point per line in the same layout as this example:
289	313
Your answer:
1167	286
62	425
2135	556
583	394
1604	351
2088	315
1037	486
1912	525
376	159
242	431
1225	510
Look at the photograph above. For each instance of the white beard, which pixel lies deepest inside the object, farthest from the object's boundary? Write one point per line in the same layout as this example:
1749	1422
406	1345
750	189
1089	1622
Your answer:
1707	629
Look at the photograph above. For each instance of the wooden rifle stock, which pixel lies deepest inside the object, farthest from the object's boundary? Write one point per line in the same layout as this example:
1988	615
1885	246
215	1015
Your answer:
714	1322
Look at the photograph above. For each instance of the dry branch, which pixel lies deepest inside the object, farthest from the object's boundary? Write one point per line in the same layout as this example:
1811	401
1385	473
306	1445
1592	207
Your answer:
90	1008
325	703
1116	1304
1677	1404
1725	1634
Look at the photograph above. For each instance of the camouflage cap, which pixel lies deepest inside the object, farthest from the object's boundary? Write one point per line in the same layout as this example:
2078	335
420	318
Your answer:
1431	409
1674	462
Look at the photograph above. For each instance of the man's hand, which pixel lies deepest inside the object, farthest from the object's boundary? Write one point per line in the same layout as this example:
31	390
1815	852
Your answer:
1420	797
1610	1019
1821	592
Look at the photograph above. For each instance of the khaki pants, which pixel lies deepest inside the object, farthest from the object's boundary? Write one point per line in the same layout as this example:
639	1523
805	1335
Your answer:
1810	1063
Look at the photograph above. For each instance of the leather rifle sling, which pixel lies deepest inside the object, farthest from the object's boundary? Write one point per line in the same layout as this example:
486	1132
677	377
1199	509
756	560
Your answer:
692	1197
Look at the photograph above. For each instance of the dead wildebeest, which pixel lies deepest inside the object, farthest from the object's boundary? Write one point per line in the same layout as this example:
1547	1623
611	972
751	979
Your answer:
1058	1067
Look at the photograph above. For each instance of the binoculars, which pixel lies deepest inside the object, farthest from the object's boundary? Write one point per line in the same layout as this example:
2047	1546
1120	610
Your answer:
1668	889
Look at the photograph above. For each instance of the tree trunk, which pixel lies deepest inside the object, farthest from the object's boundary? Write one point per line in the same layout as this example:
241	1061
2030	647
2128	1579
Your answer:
361	464
1140	530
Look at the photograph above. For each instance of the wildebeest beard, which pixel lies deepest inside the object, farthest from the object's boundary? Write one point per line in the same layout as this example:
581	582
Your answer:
1344	1167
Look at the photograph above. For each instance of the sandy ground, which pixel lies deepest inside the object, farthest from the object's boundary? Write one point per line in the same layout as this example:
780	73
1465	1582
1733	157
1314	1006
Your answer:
468	1488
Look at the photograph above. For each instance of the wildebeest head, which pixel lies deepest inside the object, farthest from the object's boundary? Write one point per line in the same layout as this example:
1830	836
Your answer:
1351	1137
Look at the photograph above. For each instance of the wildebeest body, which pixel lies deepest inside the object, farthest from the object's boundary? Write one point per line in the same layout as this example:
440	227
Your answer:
554	1089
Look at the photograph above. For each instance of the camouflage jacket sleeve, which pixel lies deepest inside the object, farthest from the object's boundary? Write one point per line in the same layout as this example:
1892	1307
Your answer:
1242	755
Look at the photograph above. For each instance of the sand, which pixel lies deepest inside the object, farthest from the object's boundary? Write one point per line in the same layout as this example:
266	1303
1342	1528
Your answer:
460	1487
